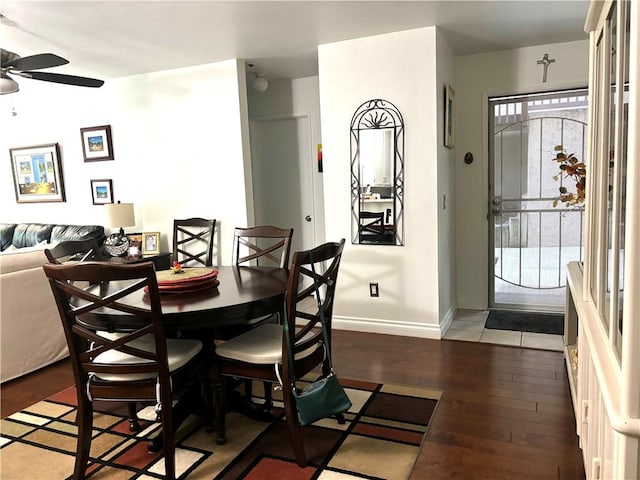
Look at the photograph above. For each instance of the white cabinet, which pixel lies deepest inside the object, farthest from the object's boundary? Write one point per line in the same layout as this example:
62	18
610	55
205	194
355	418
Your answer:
603	299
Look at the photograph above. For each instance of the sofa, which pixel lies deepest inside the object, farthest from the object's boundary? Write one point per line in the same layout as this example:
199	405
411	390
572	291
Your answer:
31	335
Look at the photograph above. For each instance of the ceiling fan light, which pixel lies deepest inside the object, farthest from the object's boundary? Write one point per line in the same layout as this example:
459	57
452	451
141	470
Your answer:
260	83
8	85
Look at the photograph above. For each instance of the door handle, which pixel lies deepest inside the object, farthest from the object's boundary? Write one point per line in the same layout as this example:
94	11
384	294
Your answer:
308	218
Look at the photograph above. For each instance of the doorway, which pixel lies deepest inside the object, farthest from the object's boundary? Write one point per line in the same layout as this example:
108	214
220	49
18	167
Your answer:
531	240
281	159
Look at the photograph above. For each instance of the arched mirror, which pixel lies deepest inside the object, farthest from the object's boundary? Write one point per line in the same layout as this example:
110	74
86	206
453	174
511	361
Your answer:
377	174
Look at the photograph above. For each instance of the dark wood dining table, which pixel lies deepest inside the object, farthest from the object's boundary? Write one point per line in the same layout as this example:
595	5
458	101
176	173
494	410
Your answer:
244	292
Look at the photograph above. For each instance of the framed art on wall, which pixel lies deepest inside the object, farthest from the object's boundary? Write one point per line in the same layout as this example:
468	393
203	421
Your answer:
37	174
449	121
150	243
102	191
96	143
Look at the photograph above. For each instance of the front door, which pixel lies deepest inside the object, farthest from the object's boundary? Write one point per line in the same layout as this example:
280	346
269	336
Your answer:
531	240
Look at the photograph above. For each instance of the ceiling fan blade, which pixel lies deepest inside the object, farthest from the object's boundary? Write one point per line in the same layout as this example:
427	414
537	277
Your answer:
36	62
61	78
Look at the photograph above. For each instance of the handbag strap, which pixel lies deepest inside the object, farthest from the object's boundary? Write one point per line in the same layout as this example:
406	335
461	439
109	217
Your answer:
325	334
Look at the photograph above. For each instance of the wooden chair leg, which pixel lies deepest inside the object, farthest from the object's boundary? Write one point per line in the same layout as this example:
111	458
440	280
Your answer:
134	425
219	406
248	389
220	411
293	425
268	395
84	420
207	398
168	436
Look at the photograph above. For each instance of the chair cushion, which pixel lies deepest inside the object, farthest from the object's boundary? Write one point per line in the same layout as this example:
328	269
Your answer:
179	353
262	345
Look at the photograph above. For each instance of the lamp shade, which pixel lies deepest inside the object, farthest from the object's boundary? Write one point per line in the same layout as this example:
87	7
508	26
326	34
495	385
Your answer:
120	215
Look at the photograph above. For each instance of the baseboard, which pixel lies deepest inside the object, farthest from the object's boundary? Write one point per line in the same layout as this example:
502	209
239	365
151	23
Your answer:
447	320
388	327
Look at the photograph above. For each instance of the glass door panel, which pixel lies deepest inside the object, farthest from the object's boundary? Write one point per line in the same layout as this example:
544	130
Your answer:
531	240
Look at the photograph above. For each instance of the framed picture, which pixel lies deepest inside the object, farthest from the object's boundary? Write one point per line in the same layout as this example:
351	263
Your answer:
102	191
96	143
150	243
37	174
449	120
135	243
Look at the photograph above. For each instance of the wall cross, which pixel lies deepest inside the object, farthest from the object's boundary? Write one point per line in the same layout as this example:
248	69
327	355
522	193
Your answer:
546	61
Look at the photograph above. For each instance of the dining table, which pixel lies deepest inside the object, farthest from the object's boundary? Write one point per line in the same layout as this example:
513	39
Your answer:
243	293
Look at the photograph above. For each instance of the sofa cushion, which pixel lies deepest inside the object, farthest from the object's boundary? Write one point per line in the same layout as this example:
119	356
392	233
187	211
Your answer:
30	234
6	235
21	259
60	233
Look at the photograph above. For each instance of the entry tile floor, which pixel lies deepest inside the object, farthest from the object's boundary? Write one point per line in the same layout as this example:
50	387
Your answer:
468	325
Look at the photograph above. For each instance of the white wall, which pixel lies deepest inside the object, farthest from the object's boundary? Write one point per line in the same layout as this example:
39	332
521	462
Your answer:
398	67
479	77
445	70
177	139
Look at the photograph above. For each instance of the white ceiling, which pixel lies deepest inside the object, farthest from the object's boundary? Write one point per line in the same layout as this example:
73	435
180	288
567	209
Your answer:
108	39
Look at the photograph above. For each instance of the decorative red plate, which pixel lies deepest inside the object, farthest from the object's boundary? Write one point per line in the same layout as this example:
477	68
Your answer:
190	280
190	288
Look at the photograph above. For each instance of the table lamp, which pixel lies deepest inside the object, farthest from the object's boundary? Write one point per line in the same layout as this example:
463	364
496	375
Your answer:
119	215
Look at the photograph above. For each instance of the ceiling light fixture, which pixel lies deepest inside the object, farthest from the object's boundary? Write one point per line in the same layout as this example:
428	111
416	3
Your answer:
8	85
260	83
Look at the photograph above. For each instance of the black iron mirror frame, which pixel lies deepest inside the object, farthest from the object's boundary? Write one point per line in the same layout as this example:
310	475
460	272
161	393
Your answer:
377	114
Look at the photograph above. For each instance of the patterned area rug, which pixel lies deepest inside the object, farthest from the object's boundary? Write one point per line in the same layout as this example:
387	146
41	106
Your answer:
381	440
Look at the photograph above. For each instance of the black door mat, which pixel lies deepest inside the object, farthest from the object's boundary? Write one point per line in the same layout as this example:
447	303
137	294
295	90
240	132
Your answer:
525	322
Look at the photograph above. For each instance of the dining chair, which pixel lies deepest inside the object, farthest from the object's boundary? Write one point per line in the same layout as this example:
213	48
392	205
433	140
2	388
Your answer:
193	242
261	353
76	250
371	223
263	245
79	251
137	366
267	246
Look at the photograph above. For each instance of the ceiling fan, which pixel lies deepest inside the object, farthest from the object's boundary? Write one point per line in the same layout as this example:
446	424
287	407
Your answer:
13	64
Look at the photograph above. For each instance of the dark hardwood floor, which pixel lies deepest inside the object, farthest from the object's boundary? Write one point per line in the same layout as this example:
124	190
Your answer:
505	412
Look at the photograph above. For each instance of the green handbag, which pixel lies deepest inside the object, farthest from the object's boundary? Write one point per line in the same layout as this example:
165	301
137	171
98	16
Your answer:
321	399
325	397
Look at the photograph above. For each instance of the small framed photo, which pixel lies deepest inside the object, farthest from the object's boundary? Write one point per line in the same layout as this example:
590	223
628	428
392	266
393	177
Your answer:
102	191
37	174
96	143
449	120
135	243
150	243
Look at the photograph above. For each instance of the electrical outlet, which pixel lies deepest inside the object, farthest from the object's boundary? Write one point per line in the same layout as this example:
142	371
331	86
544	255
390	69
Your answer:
373	289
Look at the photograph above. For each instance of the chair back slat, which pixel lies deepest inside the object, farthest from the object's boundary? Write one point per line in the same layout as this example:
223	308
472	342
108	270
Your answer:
74	250
193	241
372	222
262	245
115	290
304	321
